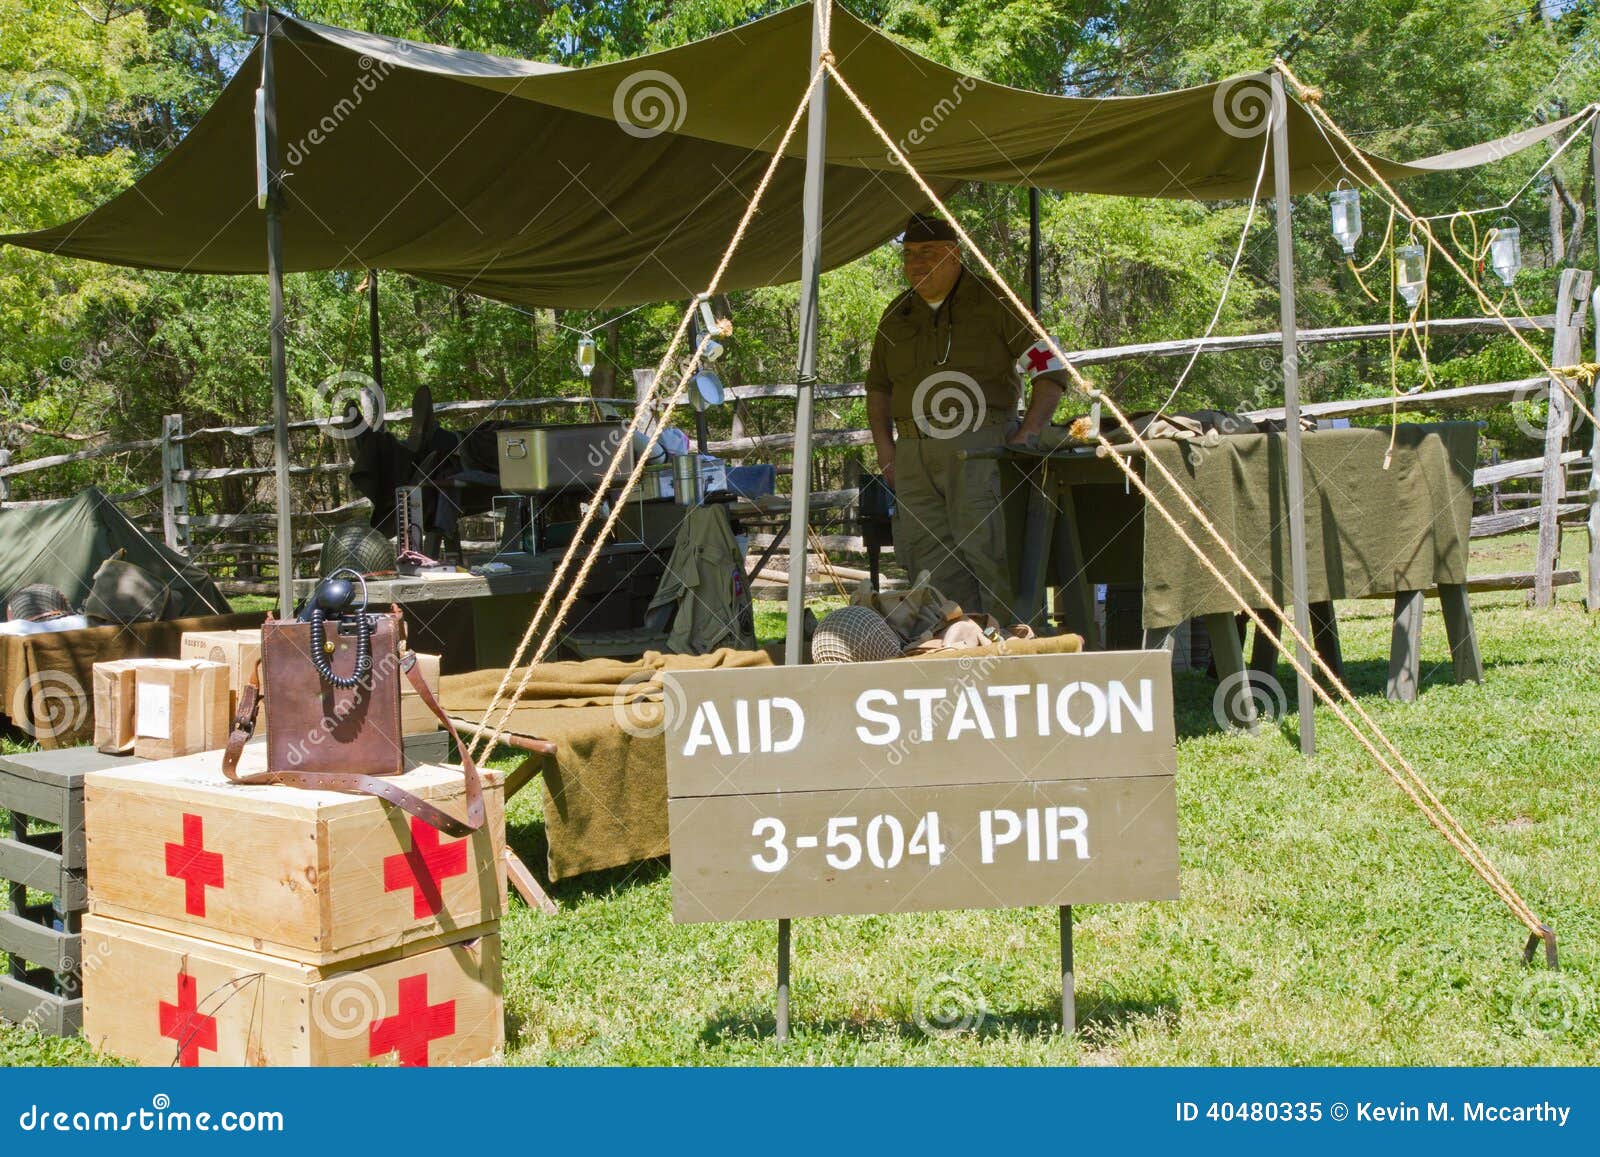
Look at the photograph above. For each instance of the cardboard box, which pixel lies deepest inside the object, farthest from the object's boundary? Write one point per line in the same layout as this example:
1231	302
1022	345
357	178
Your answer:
315	876
161	998
415	717
113	705
179	706
239	651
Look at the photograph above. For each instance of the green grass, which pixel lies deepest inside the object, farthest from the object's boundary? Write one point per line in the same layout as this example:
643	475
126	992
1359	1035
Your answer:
1322	921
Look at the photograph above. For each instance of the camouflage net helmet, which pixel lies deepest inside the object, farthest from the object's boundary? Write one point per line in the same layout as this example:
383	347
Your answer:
854	635
364	549
37	602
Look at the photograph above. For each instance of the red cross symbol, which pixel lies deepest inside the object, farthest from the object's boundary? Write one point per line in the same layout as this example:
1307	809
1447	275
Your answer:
423	867
196	867
1039	359
408	1031
183	1023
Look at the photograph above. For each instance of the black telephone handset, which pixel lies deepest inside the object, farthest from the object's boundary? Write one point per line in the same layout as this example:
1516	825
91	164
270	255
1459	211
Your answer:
333	599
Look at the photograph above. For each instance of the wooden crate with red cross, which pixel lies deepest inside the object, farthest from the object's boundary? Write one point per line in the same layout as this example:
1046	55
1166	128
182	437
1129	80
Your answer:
161	998
316	877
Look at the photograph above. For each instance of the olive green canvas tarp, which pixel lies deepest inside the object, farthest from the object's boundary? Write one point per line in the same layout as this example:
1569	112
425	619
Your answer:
63	543
623	182
1369	531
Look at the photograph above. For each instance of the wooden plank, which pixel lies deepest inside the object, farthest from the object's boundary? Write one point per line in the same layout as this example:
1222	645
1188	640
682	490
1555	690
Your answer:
1511	521
735	447
1571	304
40	801
1464	657
174	490
1455	398
42	870
27	1005
262	1010
1521	468
527	884
920	722
1233	685
1125	848
35	464
1592	523
38	943
1405	647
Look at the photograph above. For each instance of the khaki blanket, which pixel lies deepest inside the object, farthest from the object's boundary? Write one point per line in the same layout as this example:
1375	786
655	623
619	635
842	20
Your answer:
1368	530
605	791
47	681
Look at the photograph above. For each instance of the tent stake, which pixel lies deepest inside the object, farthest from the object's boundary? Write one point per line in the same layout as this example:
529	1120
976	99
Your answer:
805	379
1291	406
280	365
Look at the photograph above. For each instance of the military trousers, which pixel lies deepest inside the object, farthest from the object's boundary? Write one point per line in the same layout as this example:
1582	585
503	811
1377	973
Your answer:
948	518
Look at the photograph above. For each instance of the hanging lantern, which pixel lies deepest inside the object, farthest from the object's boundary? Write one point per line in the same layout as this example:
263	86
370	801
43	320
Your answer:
1346	206
1505	253
586	355
1409	276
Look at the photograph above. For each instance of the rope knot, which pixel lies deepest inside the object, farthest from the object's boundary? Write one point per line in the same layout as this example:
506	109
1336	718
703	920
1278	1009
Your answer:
826	58
725	327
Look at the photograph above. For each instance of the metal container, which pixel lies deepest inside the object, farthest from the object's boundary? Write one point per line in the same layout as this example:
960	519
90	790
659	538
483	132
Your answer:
534	459
686	479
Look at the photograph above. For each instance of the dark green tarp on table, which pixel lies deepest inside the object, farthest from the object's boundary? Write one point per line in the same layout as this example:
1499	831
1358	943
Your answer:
63	543
1368	530
623	182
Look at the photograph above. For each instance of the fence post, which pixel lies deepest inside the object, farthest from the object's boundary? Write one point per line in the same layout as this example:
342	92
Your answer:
5	483
174	490
1593	601
1571	303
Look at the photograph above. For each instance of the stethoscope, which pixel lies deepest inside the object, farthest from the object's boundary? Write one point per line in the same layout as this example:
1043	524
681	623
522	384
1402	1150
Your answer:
949	326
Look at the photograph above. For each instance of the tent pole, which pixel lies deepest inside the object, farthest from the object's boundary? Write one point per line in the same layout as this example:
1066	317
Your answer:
374	332
1034	245
280	365
805	379
1291	406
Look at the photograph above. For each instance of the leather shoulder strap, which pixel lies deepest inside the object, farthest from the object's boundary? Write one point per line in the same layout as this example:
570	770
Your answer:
244	726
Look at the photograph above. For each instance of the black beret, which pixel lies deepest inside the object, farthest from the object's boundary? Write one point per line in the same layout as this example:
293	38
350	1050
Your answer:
927	227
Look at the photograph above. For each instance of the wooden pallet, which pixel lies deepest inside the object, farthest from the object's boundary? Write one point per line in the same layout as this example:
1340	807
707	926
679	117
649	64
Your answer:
44	851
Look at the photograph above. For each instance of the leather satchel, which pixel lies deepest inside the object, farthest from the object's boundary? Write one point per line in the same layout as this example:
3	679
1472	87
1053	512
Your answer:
334	687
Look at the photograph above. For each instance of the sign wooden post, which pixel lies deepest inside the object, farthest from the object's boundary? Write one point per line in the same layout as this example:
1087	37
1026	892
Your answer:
923	785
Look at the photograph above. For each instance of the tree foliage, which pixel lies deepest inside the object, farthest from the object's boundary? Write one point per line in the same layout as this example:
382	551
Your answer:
94	93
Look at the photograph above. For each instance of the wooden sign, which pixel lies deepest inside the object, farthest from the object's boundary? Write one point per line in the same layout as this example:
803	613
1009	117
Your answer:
988	782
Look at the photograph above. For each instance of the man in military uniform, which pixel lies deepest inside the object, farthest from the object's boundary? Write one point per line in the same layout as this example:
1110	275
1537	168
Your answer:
943	378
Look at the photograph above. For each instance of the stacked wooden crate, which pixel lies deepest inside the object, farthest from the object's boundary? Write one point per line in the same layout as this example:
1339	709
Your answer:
267	925
42	866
